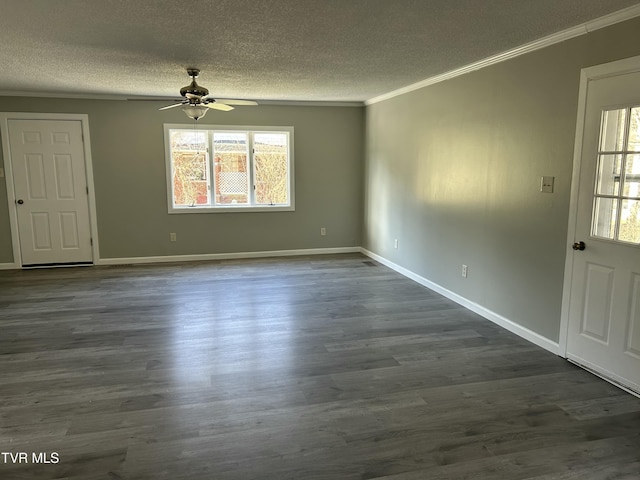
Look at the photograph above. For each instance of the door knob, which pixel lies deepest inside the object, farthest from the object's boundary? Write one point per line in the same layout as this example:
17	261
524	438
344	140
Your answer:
579	246
20	202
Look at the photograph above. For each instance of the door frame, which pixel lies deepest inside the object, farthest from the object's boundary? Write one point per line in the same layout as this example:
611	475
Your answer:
597	72
8	170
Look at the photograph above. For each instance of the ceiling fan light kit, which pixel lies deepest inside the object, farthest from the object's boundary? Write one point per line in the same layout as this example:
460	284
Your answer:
196	103
195	111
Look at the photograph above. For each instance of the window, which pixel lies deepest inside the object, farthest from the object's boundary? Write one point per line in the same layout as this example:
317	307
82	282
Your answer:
222	168
616	209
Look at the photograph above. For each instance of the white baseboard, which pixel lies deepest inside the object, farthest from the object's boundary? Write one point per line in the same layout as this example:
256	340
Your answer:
510	325
225	256
9	266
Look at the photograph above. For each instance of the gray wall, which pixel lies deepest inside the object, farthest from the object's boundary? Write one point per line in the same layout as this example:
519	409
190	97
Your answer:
130	181
453	172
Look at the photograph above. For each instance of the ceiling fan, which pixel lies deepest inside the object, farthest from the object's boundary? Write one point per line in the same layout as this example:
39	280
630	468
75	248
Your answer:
196	103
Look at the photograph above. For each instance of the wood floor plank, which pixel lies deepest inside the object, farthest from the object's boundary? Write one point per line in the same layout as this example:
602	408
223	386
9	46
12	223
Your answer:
305	368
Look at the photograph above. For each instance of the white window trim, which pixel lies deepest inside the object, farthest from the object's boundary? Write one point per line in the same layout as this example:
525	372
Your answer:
228	208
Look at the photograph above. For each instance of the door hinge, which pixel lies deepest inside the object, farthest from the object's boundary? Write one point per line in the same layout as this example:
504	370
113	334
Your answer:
87	190
91	241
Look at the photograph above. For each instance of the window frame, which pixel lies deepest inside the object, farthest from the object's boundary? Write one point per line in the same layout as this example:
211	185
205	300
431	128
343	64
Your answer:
227	208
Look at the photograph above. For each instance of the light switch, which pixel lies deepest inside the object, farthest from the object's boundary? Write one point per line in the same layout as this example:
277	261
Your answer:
546	184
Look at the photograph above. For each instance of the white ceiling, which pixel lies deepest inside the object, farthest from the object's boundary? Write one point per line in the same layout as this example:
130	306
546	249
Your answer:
306	50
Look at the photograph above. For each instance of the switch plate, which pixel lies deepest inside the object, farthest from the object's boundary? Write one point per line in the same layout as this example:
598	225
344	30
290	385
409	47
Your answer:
323	231
172	237
465	271
546	184
395	243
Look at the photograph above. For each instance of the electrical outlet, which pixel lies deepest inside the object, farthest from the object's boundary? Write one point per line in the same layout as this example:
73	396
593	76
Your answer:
323	231
465	271
395	243
172	237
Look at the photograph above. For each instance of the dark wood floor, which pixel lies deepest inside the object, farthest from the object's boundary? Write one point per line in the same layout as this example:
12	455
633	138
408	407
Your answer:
305	368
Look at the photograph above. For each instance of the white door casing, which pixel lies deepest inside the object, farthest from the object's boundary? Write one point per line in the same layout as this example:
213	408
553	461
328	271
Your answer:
49	188
600	327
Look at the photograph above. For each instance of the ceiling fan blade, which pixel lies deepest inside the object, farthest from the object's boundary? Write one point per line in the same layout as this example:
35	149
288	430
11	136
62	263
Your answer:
231	101
171	106
219	106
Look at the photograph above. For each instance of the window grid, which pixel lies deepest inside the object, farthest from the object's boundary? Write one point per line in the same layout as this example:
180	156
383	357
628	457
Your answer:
616	203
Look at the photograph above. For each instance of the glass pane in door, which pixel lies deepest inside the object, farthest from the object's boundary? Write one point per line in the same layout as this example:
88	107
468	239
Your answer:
604	217
612	130
632	177
630	221
634	130
608	182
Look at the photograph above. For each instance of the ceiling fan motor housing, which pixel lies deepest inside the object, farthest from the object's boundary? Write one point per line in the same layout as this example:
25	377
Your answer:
193	89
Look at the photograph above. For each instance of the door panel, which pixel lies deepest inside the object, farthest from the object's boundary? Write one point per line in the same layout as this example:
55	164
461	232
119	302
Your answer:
64	177
41	231
49	176
69	230
36	188
598	292
603	319
633	328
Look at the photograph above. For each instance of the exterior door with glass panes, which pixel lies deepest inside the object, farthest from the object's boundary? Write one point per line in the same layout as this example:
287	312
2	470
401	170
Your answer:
604	307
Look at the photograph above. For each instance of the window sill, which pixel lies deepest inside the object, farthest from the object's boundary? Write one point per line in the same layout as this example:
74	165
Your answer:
231	209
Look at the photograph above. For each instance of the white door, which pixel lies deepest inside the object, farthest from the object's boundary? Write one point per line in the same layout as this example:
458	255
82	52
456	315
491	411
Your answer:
604	306
50	184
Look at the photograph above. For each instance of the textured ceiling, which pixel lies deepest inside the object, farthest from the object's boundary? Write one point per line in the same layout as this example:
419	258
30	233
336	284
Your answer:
309	50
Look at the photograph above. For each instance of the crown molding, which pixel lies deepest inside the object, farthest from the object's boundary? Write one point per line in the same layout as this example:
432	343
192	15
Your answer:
312	103
77	96
583	29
